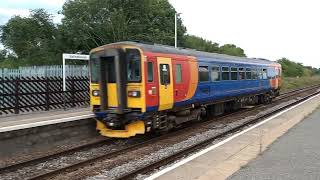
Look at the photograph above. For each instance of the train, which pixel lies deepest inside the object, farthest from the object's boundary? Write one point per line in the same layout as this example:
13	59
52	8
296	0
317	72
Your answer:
137	88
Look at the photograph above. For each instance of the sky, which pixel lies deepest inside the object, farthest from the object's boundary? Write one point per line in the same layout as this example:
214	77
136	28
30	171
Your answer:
269	29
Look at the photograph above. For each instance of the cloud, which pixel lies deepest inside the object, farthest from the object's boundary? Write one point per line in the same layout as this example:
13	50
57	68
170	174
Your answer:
7	13
9	8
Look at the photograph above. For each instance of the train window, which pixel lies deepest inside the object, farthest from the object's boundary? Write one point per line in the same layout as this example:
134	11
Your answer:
215	73
203	73
94	70
178	73
234	73
260	73
264	74
254	74
242	74
164	74
150	71
133	65
271	73
248	73
225	73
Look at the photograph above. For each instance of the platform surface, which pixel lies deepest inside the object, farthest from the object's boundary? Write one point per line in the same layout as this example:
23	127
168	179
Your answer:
234	154
296	155
16	122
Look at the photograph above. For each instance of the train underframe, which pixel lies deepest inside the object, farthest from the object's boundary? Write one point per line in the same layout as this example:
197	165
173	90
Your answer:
133	123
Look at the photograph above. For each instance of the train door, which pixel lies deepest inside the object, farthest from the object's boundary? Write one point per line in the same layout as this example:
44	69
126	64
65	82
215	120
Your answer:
152	88
181	79
165	83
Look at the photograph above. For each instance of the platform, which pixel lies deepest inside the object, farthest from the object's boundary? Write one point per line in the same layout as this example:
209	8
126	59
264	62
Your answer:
296	155
223	159
16	122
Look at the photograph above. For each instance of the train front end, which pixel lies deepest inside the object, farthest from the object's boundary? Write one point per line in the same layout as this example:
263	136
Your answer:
117	90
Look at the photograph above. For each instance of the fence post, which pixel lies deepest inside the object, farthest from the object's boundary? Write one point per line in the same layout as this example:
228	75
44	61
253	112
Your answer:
72	92
47	93
16	94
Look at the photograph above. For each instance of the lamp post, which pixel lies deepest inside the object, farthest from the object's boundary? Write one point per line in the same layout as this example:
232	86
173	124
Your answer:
175	30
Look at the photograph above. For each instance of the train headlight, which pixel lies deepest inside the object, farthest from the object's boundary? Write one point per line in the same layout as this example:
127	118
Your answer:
134	93
95	93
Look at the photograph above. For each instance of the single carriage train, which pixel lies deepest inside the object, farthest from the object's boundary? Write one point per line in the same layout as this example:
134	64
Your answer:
137	88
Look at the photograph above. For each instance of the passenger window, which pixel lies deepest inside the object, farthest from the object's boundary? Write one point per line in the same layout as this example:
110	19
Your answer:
242	74
264	74
215	73
203	73
248	73
254	74
225	73
164	74
150	71
234	73
178	73
271	73
260	74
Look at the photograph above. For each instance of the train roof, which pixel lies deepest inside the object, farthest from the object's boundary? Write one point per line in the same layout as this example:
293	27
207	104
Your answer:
158	48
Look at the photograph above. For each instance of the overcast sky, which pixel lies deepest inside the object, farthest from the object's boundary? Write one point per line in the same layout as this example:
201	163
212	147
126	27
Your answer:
266	28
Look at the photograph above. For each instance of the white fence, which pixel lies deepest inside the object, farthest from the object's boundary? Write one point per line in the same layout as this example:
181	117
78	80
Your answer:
46	71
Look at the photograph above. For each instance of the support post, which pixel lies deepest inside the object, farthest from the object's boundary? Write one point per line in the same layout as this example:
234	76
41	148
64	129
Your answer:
175	30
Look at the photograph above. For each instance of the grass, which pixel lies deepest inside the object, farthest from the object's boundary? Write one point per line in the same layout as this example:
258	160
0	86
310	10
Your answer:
289	83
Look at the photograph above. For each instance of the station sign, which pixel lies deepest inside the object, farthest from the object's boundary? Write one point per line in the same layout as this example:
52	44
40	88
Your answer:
76	56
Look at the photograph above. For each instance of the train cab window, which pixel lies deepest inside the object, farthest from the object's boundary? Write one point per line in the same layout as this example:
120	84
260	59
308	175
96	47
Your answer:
164	74
203	73
225	73
215	73
150	71
133	65
242	74
254	74
248	73
178	73
234	73
264	74
94	69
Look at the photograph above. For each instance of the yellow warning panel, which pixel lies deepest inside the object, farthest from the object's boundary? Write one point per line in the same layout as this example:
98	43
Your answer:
131	129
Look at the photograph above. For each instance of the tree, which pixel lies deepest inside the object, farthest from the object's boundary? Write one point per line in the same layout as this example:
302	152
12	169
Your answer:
293	69
32	39
198	43
91	23
3	54
232	50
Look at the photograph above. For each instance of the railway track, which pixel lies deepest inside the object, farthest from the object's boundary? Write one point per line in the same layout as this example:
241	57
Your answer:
128	149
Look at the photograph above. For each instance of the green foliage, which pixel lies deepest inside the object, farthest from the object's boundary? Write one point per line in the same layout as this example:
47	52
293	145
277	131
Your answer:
91	23
293	69
32	39
289	83
198	43
232	50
